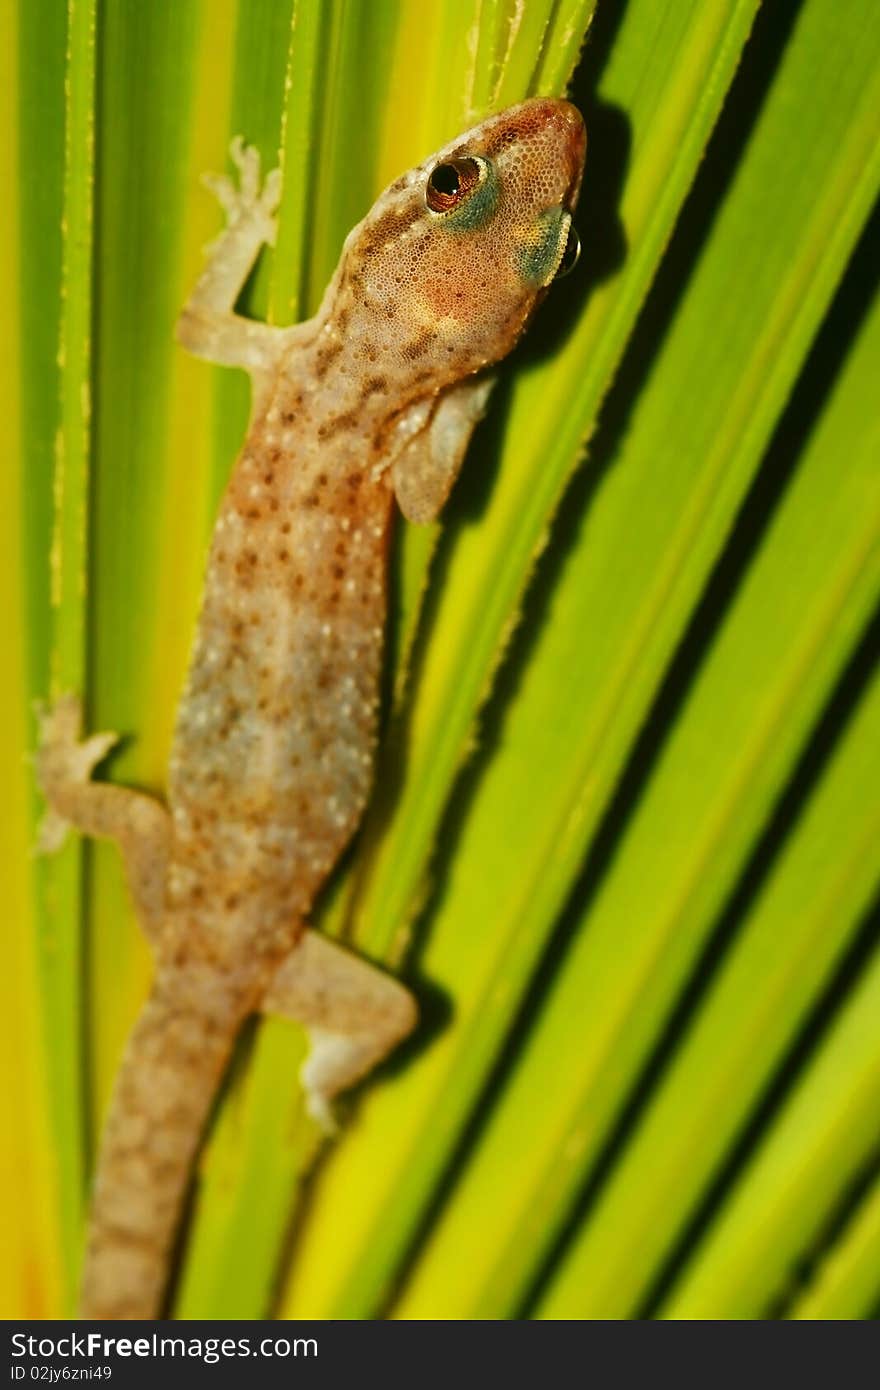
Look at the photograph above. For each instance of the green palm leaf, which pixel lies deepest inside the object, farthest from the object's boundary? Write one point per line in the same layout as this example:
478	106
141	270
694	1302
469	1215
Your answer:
624	824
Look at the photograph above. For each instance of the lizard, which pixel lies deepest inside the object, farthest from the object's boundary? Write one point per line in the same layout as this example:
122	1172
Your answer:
373	399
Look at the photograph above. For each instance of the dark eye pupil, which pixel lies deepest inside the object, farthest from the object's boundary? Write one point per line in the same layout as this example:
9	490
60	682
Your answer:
445	179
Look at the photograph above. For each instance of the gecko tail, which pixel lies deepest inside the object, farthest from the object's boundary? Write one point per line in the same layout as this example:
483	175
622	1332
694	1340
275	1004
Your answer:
162	1098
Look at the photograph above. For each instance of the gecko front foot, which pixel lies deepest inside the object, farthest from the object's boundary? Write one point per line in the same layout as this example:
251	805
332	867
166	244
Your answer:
248	202
65	763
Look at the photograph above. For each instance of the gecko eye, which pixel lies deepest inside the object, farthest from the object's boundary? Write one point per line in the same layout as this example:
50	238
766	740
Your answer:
450	183
571	255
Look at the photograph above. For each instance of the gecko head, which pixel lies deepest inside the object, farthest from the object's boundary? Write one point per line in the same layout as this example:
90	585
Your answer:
455	255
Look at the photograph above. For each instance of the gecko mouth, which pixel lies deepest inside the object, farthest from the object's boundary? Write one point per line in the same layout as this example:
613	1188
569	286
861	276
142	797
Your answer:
567	118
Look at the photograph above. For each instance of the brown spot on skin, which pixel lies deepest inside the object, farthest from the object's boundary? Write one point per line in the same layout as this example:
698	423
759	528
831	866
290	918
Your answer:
373	386
346	421
419	346
325	357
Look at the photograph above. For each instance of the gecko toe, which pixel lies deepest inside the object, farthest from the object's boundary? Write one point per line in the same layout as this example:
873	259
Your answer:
60	722
271	195
51	833
246	159
224	191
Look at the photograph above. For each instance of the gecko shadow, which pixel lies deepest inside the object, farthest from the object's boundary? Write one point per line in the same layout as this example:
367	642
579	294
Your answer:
599	223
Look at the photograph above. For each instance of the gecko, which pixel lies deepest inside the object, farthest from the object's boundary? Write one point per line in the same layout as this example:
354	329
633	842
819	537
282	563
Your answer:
370	402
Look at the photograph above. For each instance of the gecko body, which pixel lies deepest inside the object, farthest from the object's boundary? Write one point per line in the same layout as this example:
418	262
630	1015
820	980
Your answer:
373	399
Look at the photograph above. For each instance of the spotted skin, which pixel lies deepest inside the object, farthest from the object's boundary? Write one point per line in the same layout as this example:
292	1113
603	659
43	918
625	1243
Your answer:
374	398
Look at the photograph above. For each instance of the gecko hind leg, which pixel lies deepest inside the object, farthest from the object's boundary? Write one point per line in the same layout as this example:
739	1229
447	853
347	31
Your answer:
354	1015
138	823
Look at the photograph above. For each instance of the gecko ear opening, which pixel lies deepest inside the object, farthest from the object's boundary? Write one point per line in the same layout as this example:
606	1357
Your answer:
423	472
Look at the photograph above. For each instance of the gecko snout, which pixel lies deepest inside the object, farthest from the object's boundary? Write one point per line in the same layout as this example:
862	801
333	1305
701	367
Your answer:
542	144
574	136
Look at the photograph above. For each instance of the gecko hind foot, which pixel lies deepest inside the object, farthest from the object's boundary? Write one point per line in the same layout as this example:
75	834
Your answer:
334	1060
246	200
65	762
